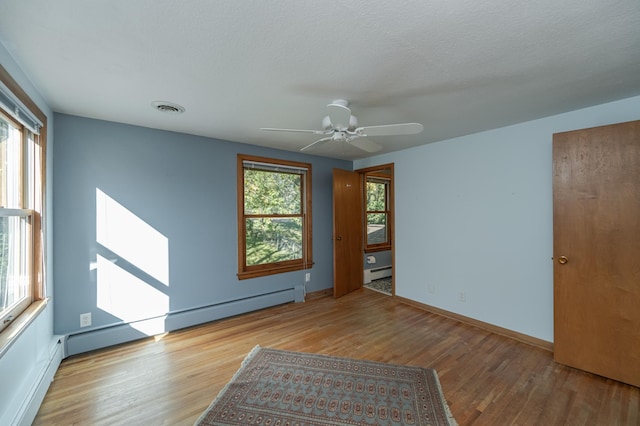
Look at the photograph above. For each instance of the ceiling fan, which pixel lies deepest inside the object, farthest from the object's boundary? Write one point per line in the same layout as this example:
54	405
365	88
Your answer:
340	125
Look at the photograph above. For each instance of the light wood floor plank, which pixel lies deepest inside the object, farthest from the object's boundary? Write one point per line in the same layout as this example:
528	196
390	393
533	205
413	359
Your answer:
487	379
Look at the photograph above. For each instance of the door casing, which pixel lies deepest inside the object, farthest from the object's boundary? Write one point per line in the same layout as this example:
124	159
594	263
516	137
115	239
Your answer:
348	228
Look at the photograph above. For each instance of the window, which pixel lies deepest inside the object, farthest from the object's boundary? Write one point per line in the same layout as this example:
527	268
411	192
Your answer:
22	129
377	215
274	216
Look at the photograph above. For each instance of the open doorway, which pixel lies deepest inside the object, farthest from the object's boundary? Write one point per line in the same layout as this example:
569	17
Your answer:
378	208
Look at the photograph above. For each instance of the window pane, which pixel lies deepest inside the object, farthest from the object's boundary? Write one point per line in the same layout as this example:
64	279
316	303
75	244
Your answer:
376	196
10	161
267	192
270	240
376	228
14	262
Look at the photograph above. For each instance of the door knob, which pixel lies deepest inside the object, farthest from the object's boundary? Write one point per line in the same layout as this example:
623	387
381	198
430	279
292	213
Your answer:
563	259
338	238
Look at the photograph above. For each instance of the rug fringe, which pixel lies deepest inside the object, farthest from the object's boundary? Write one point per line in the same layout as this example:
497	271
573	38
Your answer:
452	420
246	359
251	354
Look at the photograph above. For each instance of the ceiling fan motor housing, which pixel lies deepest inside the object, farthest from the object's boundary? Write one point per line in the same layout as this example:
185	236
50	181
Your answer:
328	125
339	135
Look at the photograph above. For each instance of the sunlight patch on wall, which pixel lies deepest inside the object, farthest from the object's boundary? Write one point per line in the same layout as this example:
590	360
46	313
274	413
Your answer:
131	238
135	289
126	296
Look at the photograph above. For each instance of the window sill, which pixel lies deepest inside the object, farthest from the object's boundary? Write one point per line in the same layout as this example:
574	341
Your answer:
9	335
272	271
378	248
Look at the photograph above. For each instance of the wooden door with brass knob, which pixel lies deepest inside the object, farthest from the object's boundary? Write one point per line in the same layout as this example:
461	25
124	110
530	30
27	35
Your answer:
596	229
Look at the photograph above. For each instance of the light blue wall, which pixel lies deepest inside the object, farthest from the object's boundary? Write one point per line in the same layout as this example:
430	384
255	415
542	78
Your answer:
474	215
23	367
182	186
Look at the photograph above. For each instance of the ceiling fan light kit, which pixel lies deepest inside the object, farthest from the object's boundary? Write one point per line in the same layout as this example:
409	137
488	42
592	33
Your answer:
340	125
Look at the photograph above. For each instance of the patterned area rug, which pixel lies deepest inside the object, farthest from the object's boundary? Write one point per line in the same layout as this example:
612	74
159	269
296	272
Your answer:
274	387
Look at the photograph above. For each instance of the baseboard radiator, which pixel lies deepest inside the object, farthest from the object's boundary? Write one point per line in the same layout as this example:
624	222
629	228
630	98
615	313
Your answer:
120	333
377	273
31	403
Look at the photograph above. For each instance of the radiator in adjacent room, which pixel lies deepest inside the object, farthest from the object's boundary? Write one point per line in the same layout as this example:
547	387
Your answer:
377	273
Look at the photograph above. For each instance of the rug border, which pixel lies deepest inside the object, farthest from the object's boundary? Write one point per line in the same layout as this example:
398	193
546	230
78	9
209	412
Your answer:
244	362
257	348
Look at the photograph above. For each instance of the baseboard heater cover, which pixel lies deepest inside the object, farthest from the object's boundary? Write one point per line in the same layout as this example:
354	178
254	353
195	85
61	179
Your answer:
377	273
30	406
121	333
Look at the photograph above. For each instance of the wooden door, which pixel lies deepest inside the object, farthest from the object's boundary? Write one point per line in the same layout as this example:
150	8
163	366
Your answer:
347	232
596	230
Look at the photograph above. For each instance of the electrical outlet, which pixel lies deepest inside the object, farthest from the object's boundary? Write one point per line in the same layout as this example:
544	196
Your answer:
431	288
307	277
462	296
85	319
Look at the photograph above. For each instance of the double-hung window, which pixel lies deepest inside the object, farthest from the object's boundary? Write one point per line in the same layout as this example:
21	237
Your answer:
377	216
22	127
274	216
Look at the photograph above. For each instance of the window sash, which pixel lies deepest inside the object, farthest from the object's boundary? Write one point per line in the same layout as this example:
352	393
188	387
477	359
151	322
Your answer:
277	247
377	231
16	263
282	184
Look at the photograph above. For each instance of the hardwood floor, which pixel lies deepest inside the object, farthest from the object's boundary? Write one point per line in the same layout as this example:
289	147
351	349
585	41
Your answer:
487	379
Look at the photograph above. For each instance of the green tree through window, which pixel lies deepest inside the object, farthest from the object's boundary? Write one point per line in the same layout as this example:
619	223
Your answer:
274	230
273	209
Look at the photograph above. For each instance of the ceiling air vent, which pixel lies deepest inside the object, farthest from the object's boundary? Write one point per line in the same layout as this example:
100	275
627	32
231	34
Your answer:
168	107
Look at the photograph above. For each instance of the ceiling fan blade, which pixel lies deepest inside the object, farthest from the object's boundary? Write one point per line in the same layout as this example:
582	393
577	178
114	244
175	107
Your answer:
315	132
314	143
365	144
390	129
340	116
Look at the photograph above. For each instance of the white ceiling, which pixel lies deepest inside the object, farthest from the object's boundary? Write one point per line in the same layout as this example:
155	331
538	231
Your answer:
456	66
